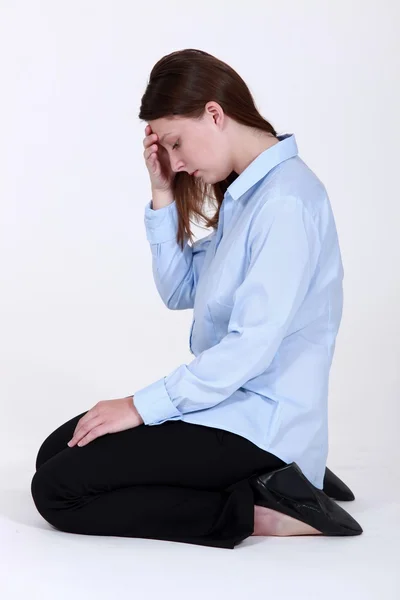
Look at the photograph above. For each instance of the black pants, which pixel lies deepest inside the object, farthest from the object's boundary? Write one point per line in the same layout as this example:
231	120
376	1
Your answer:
176	481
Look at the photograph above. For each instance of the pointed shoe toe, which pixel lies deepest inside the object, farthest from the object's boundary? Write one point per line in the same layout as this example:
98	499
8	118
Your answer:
288	491
336	488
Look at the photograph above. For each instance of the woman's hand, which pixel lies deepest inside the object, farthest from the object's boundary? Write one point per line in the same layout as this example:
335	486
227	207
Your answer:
157	163
107	416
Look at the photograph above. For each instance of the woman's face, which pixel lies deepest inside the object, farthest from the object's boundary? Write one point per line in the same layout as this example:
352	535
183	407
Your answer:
196	145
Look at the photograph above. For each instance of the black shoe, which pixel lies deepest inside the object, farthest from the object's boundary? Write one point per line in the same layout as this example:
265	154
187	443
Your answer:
288	491
336	488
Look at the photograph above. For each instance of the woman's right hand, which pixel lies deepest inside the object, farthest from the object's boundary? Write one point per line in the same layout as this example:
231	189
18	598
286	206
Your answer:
157	162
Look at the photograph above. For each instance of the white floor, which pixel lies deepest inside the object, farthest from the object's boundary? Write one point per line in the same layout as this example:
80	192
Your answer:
39	562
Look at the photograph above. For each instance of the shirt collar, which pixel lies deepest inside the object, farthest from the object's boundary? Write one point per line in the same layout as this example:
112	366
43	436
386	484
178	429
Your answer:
263	164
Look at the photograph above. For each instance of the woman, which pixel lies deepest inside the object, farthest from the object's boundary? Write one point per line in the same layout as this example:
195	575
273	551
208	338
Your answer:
235	443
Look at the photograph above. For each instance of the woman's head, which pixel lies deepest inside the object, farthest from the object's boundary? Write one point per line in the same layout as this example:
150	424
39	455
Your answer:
207	110
196	143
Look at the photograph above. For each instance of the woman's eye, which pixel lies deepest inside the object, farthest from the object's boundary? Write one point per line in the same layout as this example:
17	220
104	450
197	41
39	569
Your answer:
175	145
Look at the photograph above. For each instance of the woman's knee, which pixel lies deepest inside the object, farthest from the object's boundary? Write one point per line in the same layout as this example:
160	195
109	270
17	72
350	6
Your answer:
40	491
56	441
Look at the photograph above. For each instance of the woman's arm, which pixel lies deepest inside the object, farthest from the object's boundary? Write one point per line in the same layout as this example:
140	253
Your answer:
175	271
264	306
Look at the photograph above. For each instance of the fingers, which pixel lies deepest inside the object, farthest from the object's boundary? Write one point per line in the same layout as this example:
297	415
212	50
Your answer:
149	143
84	430
150	137
149	151
151	155
88	417
94	433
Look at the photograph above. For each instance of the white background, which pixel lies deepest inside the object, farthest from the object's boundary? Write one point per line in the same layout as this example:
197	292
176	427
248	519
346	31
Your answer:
81	319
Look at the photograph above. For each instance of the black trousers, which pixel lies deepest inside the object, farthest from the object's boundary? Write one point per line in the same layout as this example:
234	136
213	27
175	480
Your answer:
176	481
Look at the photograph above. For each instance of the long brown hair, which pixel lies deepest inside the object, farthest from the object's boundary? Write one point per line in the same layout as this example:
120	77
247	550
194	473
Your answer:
181	83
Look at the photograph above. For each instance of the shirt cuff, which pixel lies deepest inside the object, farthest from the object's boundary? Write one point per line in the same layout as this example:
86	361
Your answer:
154	404
161	224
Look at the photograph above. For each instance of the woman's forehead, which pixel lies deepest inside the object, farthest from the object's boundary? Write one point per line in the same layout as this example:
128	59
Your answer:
165	128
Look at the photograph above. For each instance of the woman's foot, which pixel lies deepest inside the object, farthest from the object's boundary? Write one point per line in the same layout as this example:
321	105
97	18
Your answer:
271	522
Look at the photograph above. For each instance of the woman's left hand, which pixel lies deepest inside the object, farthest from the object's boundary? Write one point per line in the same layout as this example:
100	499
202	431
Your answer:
107	416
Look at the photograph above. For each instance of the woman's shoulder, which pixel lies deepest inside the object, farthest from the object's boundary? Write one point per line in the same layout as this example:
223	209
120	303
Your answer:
294	181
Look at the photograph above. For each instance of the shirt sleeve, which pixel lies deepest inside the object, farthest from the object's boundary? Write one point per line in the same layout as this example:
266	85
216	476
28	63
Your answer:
172	266
175	270
284	249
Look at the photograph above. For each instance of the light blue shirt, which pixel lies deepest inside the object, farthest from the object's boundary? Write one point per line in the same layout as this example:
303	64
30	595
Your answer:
266	289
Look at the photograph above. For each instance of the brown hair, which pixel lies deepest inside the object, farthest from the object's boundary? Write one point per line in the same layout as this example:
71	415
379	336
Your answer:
181	83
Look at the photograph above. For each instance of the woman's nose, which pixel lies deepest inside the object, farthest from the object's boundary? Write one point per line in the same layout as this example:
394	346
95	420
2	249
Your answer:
178	167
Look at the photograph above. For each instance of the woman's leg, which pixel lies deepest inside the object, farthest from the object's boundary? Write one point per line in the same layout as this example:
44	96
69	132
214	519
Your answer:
57	441
175	481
